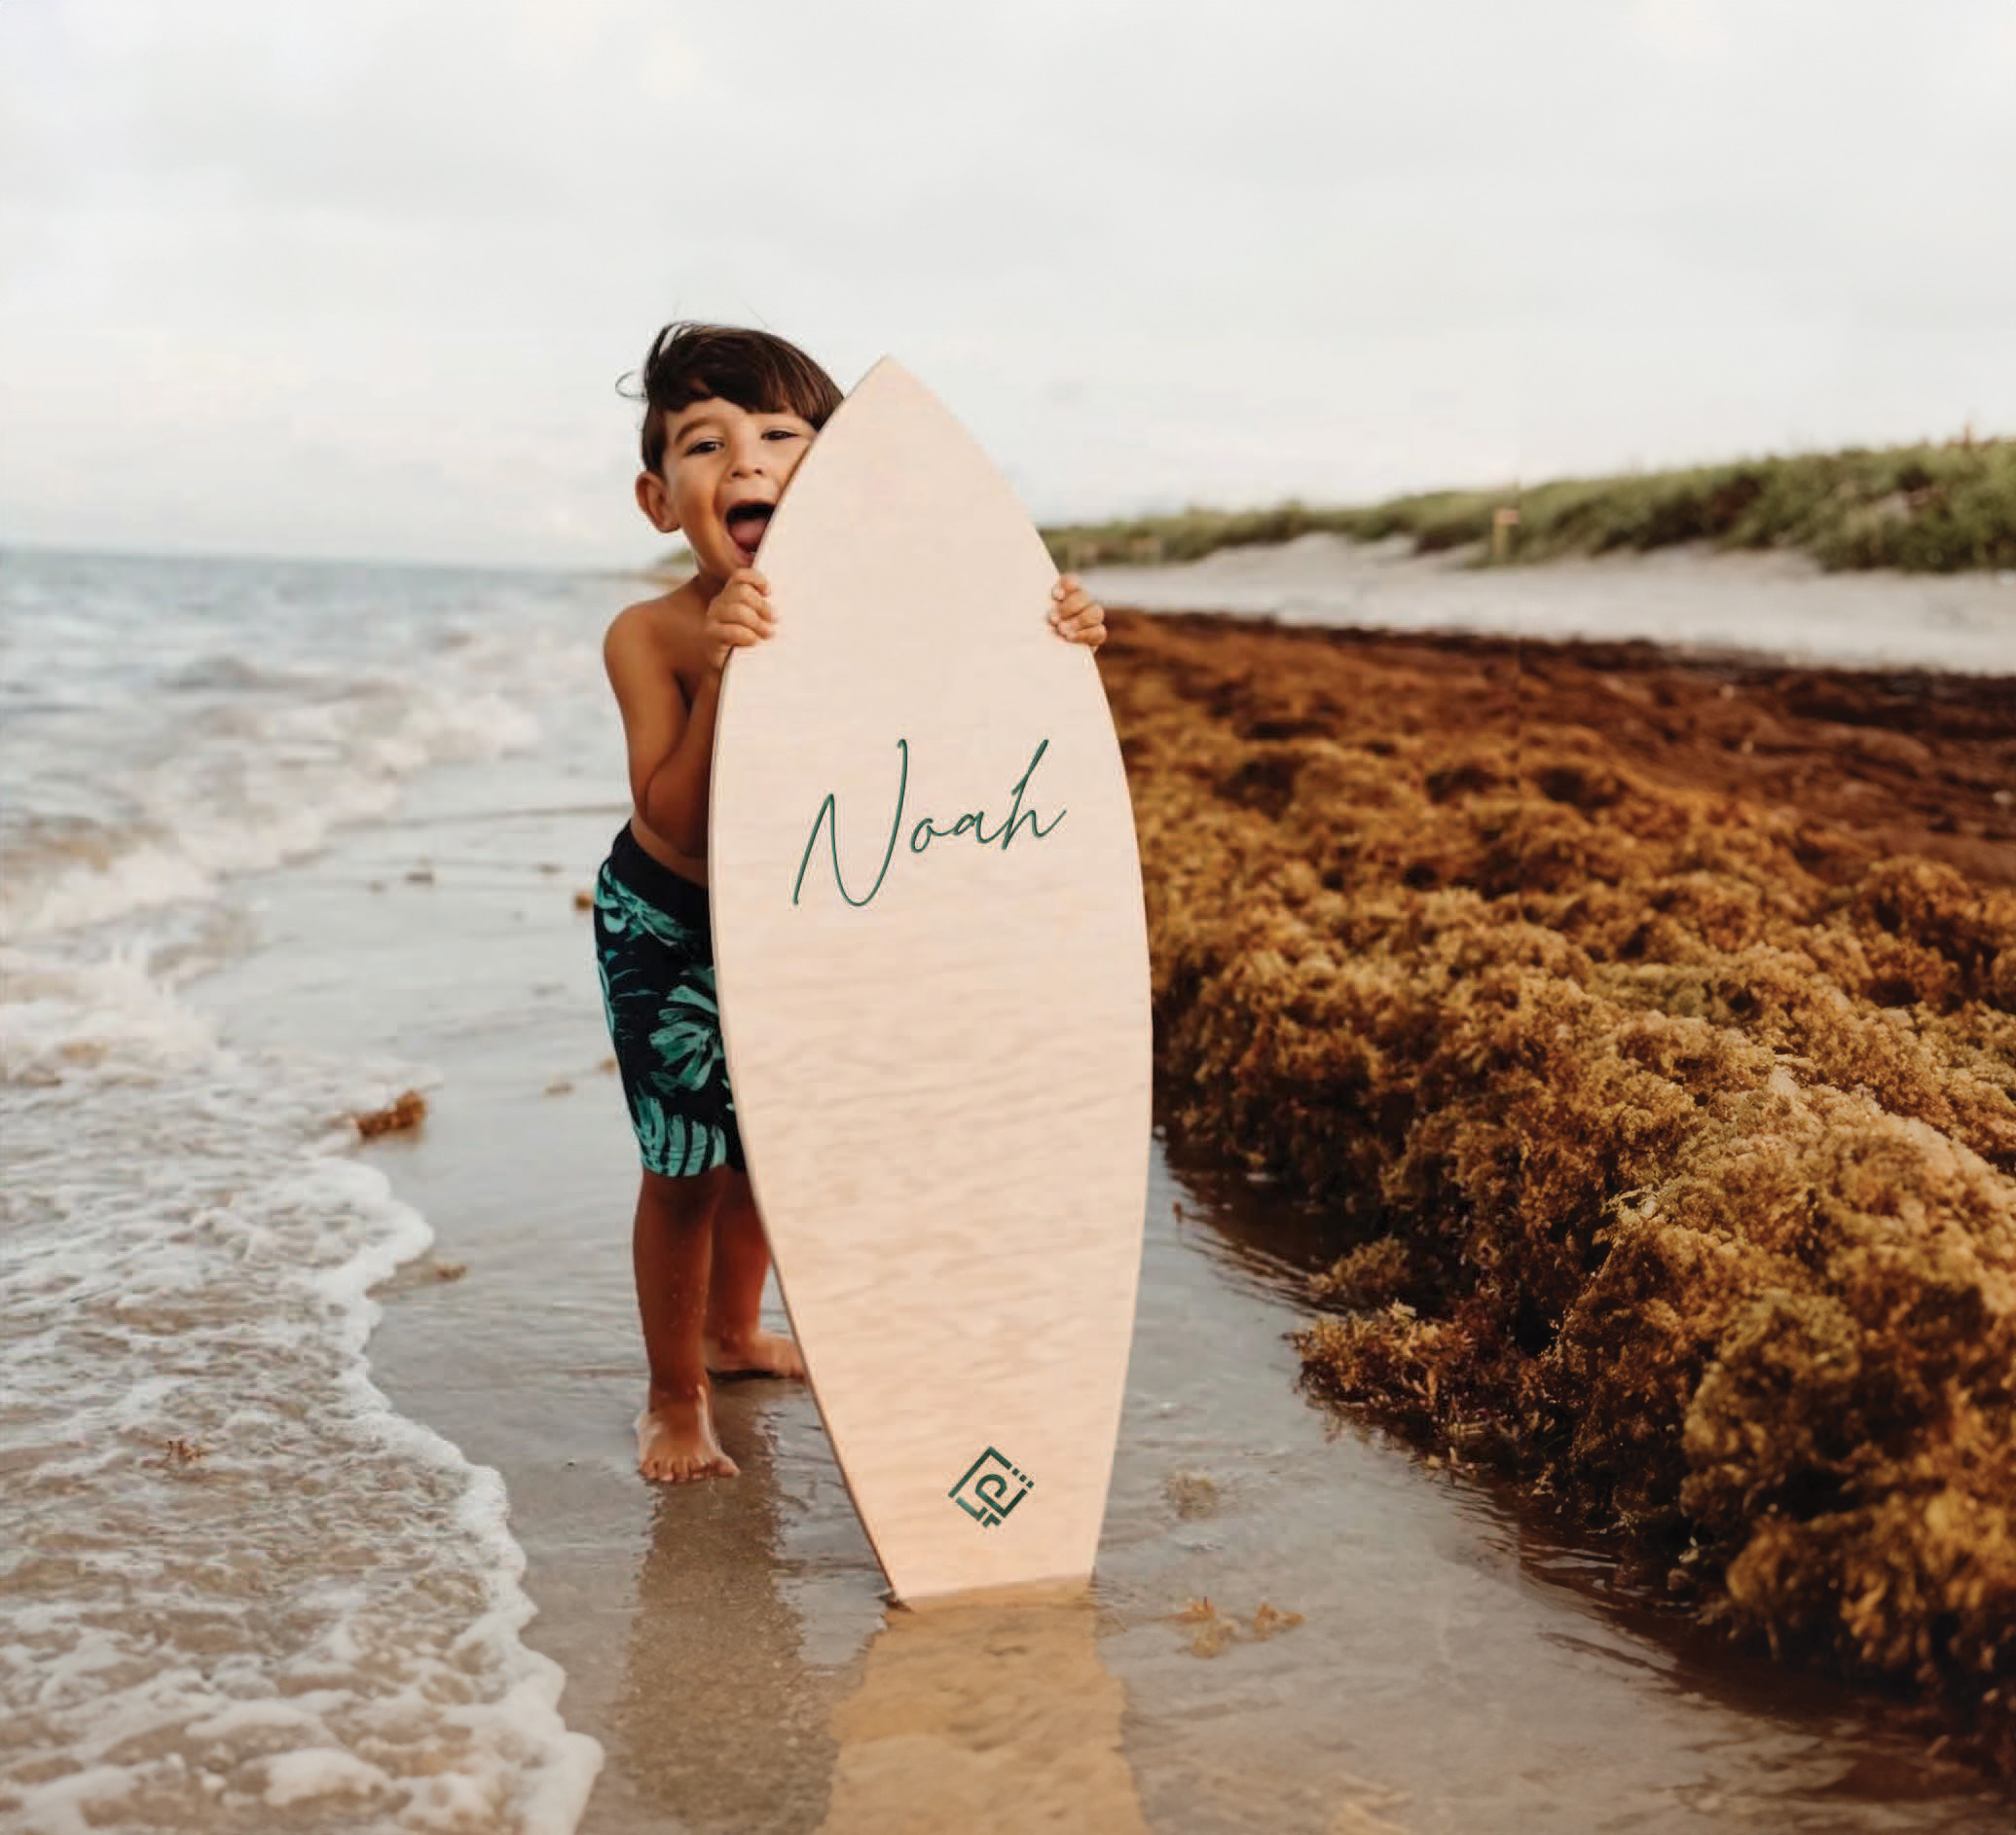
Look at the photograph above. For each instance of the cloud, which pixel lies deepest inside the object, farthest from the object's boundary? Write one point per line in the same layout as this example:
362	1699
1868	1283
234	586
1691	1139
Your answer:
1696	32
1297	248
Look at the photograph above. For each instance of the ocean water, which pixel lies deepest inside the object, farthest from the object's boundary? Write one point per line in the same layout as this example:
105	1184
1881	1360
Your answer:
238	1590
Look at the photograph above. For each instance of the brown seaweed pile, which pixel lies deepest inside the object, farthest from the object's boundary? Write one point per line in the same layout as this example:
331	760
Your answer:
1648	1027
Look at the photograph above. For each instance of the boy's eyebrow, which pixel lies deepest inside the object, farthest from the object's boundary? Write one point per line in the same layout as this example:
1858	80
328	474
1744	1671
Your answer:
693	417
686	421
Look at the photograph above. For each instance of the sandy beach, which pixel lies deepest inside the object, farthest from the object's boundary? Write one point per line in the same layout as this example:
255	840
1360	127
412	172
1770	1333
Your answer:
1691	596
1344	1585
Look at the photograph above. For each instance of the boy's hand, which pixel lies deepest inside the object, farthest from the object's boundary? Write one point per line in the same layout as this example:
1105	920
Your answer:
738	616
1075	614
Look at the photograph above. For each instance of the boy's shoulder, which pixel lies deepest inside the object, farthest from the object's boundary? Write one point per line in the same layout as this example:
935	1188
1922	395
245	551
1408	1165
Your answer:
666	619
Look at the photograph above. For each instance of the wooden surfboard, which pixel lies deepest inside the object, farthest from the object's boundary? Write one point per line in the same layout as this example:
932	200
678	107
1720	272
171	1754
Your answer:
933	966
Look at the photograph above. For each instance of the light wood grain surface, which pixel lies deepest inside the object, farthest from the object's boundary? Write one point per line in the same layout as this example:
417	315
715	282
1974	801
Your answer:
943	1083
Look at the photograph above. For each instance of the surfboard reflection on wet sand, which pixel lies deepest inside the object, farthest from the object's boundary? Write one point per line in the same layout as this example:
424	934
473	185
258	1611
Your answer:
985	1715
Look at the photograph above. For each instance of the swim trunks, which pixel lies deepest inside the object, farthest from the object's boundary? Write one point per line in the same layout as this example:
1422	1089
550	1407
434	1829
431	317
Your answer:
655	951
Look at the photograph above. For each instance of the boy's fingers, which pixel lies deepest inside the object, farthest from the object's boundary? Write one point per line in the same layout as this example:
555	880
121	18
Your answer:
742	624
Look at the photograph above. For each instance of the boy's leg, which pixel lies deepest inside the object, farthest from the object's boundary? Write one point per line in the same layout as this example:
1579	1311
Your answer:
672	1247
736	1341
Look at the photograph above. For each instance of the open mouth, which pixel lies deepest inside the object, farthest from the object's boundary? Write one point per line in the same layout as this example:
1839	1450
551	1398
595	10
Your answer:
746	523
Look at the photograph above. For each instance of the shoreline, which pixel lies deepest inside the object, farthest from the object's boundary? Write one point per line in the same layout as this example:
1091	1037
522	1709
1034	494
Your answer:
1648	1024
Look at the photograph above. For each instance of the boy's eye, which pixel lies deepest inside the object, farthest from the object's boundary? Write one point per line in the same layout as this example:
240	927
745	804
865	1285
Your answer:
702	446
783	433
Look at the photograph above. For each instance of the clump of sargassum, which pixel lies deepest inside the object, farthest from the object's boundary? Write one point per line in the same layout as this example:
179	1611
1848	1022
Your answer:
407	1110
1670	1137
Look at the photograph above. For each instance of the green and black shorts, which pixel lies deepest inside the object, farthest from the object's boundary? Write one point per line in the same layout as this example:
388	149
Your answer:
655	950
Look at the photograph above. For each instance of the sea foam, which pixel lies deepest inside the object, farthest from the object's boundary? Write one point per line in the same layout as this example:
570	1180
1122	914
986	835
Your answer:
239	1591
243	1586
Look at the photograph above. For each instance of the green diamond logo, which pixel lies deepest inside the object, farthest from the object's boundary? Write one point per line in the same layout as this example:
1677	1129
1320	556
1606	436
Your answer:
990	1489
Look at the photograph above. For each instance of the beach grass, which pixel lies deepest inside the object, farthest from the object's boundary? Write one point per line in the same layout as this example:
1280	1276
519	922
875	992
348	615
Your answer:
1930	508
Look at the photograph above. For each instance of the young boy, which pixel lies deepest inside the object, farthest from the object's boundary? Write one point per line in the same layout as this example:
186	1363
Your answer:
729	415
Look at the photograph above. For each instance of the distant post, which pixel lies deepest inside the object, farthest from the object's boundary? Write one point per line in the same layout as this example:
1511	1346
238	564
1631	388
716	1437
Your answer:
1504	520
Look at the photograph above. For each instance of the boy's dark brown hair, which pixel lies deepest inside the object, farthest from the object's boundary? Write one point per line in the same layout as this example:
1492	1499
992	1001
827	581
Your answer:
755	370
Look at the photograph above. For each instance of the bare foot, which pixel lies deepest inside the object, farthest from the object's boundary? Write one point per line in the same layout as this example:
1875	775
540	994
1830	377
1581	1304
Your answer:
753	1353
676	1441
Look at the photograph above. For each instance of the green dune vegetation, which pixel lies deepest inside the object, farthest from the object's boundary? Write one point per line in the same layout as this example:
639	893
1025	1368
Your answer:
1926	508
1645	1031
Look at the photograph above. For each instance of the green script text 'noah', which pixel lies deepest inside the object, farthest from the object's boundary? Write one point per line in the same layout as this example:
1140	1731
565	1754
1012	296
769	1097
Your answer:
924	831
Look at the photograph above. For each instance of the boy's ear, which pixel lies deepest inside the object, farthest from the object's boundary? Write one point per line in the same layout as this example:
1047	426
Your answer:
655	500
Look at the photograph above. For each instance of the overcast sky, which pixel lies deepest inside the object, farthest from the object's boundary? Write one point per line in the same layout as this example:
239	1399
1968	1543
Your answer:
358	277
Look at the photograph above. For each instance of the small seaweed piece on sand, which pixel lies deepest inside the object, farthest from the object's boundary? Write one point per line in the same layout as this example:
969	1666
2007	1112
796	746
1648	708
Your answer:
1192	1495
406	1110
1269	1621
1648	1029
1211	1632
179	1455
1213	1638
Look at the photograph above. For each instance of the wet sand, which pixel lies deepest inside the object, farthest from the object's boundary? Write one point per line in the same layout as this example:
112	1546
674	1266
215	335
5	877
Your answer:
1464	1660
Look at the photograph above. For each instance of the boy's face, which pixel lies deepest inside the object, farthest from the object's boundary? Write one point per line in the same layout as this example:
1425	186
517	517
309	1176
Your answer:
723	471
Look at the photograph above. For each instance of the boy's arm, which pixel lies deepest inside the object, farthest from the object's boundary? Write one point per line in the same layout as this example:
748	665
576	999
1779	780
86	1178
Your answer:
670	744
